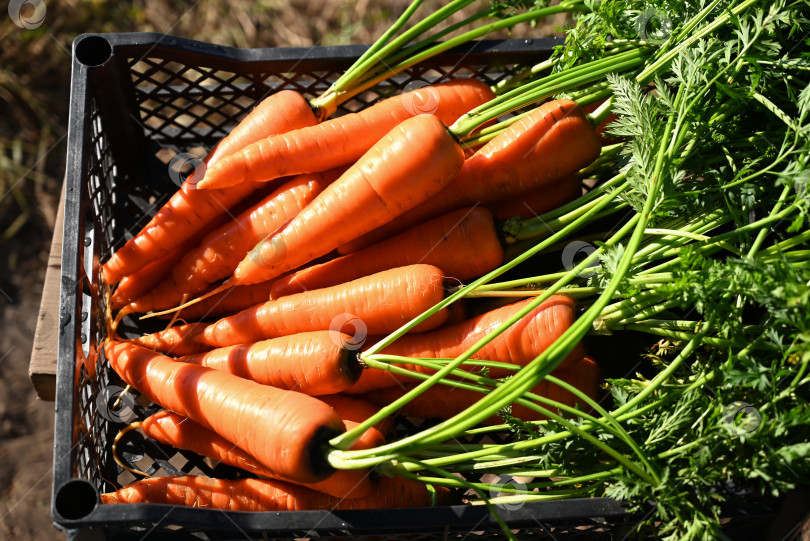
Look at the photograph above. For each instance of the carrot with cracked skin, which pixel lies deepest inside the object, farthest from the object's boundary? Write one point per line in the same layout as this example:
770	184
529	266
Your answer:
518	344
554	141
218	254
443	402
189	210
381	302
464	244
270	495
284	430
538	200
342	140
181	432
414	161
314	363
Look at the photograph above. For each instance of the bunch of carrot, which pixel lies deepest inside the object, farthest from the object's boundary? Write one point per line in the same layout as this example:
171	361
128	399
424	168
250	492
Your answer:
294	314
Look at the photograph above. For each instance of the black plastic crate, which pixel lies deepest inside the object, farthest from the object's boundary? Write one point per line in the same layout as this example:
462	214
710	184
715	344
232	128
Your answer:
138	100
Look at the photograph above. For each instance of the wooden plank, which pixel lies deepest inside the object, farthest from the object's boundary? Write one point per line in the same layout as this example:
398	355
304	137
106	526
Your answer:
42	368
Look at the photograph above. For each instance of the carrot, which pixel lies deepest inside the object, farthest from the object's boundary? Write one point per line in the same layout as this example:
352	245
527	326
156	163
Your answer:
518	344
313	363
585	375
284	430
357	410
183	433
229	301
409	165
342	140
220	251
135	285
268	494
228	495
443	402
382	303
189	209
554	141
538	200
177	341
464	244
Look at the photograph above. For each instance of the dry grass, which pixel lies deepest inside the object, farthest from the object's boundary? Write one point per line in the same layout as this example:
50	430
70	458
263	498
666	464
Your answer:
34	94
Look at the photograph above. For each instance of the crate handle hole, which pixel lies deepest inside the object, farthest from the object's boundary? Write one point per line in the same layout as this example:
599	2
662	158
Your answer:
93	51
76	499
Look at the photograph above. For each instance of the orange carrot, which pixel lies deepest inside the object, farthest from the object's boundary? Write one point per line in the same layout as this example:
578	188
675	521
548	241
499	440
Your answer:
229	301
135	285
183	433
220	251
554	141
518	344
538	200
354	409
382	303
177	341
228	495
464	244
409	165
284	430
443	402
342	140
269	495
313	363
189	209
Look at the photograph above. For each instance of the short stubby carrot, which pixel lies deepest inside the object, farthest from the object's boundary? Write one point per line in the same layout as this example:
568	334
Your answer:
342	140
518	344
314	363
538	200
218	254
189	209
181	432
379	303
553	141
443	402
284	430
464	244
414	161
